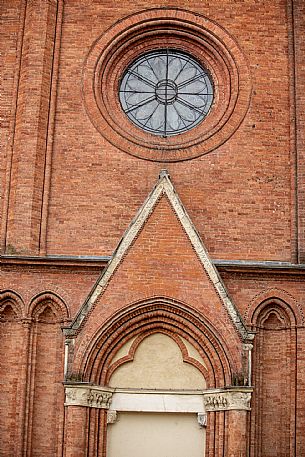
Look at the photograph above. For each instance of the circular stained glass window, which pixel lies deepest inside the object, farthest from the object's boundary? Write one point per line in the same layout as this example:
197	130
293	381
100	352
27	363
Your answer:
166	92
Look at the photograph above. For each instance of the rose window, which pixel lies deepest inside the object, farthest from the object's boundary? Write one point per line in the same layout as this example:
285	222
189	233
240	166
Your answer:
166	92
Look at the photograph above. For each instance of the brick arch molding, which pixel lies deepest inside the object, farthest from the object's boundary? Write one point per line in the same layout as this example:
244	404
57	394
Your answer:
14	300
51	300
154	315
282	299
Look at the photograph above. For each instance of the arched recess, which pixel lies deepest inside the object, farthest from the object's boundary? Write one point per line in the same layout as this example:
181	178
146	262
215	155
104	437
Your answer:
118	342
157	315
11	304
48	314
274	294
44	300
163	362
274	374
11	369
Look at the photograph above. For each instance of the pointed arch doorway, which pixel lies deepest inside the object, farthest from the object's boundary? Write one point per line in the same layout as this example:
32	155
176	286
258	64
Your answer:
156	366
160	410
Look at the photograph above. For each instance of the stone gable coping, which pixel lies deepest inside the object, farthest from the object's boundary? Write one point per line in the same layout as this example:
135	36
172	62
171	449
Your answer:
163	187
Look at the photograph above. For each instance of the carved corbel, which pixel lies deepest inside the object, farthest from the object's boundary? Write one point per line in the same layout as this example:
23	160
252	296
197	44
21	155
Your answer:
112	416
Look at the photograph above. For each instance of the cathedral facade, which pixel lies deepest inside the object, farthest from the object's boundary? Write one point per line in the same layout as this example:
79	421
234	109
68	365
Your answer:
152	214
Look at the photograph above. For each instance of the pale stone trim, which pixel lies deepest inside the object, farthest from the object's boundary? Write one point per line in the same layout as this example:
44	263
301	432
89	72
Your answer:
199	402
88	395
112	416
202	419
163	187
237	399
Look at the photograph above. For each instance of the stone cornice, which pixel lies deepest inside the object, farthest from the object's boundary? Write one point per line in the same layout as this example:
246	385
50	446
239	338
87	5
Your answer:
213	400
57	261
246	267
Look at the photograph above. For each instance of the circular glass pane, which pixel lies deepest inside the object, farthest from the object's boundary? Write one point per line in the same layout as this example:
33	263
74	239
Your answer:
166	92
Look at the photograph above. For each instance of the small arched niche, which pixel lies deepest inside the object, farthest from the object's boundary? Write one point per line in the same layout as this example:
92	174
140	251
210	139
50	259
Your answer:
8	314
11	369
158	362
274	380
274	320
48	312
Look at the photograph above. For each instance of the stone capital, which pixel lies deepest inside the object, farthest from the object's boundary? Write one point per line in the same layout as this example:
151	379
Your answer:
226	400
82	394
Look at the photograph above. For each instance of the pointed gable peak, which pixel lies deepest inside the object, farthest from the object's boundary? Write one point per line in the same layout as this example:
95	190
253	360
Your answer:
164	186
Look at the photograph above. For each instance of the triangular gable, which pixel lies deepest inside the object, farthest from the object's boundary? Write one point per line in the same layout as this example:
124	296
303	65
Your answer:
163	187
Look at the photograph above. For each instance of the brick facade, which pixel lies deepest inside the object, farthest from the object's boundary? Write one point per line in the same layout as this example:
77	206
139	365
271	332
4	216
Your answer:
110	234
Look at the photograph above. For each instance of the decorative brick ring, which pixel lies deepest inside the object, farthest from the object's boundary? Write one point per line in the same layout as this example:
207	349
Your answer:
157	29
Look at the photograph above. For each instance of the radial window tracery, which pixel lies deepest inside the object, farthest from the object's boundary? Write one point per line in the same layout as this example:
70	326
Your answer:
166	92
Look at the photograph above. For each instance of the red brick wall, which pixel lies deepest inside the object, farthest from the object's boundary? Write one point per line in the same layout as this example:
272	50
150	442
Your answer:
11	340
46	407
246	178
299	105
76	431
273	426
72	285
27	175
66	190
87	172
10	43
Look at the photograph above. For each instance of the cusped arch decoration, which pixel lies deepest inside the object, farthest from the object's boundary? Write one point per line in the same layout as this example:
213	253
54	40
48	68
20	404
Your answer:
14	301
140	338
48	301
272	314
279	299
161	315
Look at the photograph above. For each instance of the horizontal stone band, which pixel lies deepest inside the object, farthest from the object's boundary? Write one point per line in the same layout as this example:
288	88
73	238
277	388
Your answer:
91	396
